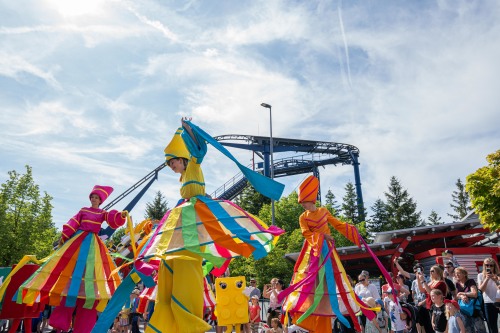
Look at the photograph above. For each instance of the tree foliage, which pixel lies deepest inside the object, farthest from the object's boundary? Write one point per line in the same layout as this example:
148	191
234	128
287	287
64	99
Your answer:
401	209
251	200
332	204
483	187
116	238
434	218
461	202
378	221
349	204
25	219
157	209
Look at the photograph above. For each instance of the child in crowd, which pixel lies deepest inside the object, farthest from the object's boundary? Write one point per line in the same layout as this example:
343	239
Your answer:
438	311
254	310
448	254
275	326
116	328
396	314
455	319
379	323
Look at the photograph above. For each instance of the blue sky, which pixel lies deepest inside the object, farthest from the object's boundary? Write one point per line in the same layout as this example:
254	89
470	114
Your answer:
91	91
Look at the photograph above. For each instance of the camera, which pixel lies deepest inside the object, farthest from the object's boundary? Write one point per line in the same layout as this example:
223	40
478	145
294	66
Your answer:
488	270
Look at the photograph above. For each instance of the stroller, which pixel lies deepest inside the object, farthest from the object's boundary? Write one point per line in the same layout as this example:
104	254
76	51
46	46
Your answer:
411	316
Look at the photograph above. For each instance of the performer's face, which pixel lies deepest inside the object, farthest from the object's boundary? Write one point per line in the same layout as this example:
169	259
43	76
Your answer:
95	200
177	165
308	205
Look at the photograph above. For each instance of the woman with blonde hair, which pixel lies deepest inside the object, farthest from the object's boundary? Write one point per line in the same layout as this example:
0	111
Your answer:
488	281
467	292
436	282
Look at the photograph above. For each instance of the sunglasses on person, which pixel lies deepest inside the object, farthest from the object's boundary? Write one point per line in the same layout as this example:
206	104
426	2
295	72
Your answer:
362	280
488	265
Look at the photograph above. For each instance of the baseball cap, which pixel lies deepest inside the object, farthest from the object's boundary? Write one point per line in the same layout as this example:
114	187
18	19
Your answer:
452	301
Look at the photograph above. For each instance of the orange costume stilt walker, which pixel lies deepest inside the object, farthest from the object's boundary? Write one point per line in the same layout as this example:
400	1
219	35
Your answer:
320	288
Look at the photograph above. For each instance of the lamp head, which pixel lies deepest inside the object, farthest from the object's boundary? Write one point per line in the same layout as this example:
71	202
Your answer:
265	105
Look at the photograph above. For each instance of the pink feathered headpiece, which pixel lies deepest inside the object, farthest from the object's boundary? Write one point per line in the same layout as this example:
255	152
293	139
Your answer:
102	191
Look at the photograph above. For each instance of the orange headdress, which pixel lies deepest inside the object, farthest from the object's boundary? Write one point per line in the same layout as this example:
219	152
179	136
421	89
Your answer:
308	190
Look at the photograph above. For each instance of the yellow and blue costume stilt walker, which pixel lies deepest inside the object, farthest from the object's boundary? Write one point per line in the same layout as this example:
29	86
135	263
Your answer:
199	228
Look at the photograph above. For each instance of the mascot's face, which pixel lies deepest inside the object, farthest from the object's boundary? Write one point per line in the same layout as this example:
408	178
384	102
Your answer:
231	303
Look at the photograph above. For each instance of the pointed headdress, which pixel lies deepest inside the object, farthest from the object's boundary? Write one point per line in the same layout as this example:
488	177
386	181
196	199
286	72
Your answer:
308	190
176	148
102	191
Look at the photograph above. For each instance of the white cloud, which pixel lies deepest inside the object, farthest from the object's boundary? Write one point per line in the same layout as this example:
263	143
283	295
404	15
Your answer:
101	93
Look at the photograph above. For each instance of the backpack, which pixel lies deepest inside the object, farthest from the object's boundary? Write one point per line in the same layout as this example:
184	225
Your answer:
479	305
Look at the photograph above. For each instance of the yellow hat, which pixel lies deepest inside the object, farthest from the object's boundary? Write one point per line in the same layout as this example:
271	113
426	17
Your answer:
308	190
176	148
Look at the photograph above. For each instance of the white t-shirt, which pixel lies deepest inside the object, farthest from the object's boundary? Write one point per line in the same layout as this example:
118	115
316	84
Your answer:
490	292
366	291
397	324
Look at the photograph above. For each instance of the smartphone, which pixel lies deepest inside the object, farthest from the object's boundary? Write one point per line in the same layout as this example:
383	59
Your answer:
488	270
419	270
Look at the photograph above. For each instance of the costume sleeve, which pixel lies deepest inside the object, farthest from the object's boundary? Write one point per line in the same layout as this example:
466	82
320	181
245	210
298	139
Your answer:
197	151
309	236
348	230
115	219
71	226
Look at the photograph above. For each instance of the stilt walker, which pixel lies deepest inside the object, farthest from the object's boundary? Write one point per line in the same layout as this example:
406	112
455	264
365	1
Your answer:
77	276
320	288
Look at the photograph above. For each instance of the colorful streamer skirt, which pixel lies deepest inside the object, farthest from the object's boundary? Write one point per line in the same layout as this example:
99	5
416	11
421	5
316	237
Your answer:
320	287
80	269
215	230
198	229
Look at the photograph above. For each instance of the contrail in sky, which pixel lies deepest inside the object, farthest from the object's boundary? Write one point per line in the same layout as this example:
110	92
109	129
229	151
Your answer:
345	44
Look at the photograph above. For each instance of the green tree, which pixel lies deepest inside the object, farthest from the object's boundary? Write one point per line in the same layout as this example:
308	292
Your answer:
286	212
251	200
483	187
461	202
434	218
157	209
117	235
401	209
349	204
331	203
25	219
378	221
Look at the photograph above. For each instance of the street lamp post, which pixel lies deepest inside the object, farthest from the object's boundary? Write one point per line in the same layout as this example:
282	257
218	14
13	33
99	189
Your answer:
267	106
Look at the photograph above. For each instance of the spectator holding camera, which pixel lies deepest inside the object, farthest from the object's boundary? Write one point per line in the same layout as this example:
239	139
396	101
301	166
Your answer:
436	282
418	295
488	281
467	292
272	291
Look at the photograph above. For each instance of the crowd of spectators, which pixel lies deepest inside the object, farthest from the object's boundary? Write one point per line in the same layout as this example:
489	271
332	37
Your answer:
419	301
422	300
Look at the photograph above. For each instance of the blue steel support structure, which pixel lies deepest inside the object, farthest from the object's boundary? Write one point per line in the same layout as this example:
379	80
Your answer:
357	179
316	153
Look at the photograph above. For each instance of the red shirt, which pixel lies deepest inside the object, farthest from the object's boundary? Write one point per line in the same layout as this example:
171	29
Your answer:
441	285
254	311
